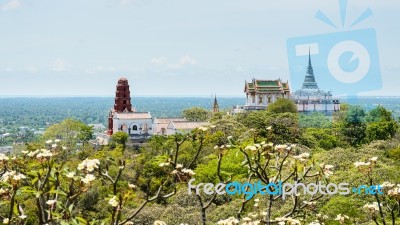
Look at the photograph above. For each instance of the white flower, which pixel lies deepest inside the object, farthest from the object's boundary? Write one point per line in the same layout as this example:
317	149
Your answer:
57	140
387	185
49	141
302	157
23	216
291	221
70	174
88	178
309	203
19	177
247	219
44	153
51	202
132	186
281	147
359	164
2	191
54	145
7	176
373	159
188	171
395	192
252	148
3	157
113	201
327	170
314	223
6	220
203	128
341	217
163	164
89	164
31	154
24	152
179	166
159	222
374	207
229	137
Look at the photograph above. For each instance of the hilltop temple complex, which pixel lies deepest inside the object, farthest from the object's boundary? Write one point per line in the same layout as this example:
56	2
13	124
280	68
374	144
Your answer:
123	118
260	93
310	98
141	125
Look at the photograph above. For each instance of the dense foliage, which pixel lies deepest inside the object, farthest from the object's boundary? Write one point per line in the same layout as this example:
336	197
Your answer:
54	182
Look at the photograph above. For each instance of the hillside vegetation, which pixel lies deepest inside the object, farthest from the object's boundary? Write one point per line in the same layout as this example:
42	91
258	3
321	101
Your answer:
62	179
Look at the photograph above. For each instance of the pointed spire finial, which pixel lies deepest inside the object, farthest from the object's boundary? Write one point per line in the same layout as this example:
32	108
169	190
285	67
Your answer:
309	56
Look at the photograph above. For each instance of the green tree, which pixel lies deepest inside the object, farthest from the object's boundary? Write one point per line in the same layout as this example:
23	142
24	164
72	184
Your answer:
320	137
196	114
381	130
379	114
282	105
120	138
353	128
70	132
315	120
284	128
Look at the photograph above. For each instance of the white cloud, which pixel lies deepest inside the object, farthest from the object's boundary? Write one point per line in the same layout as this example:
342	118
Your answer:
159	61
8	69
187	60
59	65
12	4
183	61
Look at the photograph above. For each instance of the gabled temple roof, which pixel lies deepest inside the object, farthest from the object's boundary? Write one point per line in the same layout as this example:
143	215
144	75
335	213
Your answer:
265	86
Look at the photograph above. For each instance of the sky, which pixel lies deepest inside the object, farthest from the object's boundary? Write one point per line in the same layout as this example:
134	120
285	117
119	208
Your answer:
172	47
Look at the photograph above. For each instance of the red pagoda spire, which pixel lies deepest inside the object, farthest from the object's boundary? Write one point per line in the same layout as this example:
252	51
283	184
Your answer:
122	102
122	96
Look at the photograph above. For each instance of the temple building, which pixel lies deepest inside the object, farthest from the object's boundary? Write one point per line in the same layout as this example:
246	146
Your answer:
160	125
312	99
260	93
140	125
125	118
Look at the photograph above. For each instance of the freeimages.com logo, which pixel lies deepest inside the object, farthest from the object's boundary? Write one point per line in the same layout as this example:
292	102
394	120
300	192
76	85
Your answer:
346	62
